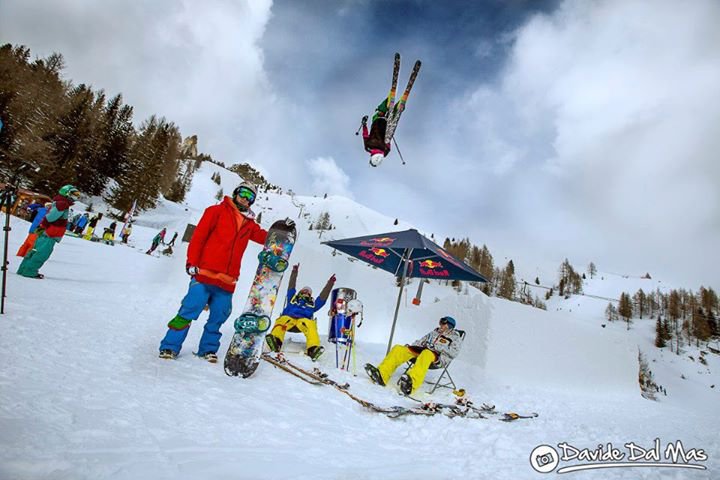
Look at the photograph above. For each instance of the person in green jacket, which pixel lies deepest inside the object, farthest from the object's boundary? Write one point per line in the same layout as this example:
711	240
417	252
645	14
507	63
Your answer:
50	232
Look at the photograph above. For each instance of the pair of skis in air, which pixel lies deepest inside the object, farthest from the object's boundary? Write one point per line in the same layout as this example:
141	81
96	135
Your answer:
394	111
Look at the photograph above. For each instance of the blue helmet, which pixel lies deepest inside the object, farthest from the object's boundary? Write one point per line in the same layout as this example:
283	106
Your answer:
450	321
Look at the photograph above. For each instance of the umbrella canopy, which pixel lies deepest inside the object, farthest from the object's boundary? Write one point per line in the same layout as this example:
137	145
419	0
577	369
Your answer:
427	259
406	254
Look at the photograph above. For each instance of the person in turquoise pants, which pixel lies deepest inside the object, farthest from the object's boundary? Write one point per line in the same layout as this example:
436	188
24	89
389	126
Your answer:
50	232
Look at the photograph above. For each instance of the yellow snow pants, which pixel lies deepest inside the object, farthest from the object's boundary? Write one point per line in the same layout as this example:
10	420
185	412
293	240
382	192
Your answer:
88	233
307	326
401	354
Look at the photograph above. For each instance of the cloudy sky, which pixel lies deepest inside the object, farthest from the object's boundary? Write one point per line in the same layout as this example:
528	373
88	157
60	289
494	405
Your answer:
544	129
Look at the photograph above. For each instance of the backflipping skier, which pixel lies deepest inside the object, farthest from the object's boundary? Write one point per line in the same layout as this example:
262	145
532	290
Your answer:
374	140
438	347
298	313
50	231
213	263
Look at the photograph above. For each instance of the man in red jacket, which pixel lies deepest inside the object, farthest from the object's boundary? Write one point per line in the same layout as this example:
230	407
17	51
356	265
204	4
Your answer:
213	263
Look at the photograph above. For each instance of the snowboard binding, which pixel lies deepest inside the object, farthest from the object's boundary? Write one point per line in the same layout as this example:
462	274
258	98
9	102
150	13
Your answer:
274	262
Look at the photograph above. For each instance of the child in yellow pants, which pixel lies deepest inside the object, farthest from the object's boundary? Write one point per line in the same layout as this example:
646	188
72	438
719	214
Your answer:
301	306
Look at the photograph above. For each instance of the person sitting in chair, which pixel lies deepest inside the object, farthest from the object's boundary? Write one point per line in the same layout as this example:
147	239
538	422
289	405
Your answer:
436	348
299	314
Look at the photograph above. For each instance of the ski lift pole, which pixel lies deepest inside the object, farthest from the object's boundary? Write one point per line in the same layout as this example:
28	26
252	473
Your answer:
398	150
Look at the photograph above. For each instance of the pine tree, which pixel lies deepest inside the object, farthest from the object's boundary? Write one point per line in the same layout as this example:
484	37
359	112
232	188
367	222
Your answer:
625	308
659	334
611	312
640	300
507	282
592	270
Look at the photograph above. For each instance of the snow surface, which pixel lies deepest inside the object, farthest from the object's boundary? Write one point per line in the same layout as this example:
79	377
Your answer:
83	394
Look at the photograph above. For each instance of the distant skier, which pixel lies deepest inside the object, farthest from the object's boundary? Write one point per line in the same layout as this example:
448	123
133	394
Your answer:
438	347
299	314
213	263
92	224
109	232
50	232
125	232
172	240
157	240
81	223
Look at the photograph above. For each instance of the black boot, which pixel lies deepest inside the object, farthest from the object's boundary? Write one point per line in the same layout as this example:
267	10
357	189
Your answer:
274	343
374	374
405	384
315	352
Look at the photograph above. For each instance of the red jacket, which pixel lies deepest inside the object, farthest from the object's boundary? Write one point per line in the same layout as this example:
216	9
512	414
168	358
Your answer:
219	242
55	219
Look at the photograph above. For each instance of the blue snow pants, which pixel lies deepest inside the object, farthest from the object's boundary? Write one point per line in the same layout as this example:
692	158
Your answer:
199	295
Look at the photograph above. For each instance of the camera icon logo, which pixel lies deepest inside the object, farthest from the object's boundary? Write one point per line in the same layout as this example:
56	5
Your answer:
544	459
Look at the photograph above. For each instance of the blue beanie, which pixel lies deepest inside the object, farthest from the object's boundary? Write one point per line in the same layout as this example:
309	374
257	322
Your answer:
450	320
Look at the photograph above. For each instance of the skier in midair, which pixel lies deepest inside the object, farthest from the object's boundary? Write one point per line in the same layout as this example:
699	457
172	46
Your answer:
213	263
301	306
386	117
374	140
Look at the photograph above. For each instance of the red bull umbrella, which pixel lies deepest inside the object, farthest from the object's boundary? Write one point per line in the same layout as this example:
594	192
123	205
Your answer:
406	254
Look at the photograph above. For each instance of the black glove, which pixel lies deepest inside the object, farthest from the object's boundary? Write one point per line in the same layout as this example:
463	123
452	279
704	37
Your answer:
192	270
289	222
295	267
364	120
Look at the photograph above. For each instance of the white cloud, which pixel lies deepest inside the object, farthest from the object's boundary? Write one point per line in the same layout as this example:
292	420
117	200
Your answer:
611	110
328	177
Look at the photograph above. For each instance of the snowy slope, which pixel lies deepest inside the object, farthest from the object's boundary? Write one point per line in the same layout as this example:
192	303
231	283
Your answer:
82	394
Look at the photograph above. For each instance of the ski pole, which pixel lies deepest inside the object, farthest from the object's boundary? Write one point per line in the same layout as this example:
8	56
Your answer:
398	150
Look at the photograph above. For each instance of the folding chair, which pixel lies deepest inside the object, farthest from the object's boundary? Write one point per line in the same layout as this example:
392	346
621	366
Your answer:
444	371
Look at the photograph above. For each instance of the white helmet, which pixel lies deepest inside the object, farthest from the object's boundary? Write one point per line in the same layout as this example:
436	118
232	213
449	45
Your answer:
354	306
376	159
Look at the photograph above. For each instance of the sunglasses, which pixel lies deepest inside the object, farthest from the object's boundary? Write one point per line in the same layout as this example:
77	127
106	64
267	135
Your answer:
247	194
444	322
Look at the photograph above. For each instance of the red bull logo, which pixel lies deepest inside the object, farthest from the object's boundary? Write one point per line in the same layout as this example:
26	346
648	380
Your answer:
374	255
431	268
378	242
430	264
380	252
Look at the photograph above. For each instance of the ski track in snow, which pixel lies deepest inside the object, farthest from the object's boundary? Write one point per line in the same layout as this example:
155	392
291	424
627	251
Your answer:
83	394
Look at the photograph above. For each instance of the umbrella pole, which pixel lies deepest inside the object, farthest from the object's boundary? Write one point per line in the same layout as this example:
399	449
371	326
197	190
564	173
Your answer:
406	258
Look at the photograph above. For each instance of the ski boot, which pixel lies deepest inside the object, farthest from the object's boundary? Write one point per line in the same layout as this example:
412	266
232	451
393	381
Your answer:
405	384
274	343
315	352
167	354
274	262
209	356
374	374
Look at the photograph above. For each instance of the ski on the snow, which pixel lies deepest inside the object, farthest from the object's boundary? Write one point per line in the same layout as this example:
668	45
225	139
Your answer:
462	408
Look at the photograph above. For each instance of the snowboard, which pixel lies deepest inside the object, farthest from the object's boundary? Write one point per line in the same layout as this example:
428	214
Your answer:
243	354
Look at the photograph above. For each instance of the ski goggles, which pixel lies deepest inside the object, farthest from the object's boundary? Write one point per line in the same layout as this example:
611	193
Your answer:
247	194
